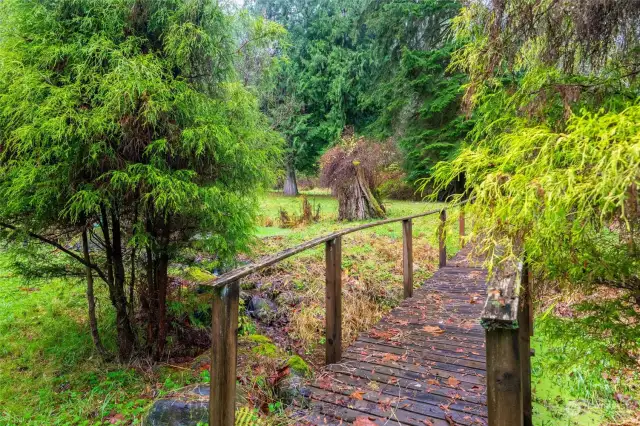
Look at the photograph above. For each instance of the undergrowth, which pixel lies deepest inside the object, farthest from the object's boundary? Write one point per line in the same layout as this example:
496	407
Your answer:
585	370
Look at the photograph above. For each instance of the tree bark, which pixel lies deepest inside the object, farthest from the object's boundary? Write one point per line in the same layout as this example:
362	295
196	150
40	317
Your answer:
290	183
358	202
162	283
152	302
115	273
93	321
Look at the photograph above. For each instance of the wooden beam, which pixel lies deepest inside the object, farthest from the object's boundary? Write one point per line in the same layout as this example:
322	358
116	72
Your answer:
407	257
333	319
504	386
224	340
525	332
442	239
461	226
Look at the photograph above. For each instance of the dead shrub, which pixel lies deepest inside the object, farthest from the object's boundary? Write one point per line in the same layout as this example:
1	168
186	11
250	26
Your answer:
308	214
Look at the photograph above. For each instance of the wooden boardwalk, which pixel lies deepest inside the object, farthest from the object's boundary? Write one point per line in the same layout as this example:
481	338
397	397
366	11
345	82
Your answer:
422	364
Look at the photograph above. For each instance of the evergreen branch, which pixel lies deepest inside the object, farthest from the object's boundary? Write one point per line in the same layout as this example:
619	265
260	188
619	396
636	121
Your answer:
59	247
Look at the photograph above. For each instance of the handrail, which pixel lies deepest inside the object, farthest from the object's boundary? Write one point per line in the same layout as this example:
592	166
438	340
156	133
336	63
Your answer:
267	261
226	289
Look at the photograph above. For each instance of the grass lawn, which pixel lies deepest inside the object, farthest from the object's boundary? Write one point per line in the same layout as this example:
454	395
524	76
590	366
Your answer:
49	373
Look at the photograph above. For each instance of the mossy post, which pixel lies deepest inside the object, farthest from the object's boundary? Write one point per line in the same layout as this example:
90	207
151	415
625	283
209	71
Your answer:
224	343
333	318
407	257
442	239
461	226
508	374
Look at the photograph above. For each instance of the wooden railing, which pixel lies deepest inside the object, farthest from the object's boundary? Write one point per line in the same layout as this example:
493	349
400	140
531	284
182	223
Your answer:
226	296
508	322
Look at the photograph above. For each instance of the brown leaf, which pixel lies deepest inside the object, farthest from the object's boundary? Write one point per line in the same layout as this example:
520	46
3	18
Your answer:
453	382
363	421
390	357
357	395
115	418
432	329
433	382
428	422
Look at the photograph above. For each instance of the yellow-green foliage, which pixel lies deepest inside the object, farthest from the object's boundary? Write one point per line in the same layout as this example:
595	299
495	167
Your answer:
247	417
554	157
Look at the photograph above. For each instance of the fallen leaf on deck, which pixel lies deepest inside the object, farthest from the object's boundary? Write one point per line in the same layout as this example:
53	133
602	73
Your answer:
390	357
363	421
357	395
432	329
452	381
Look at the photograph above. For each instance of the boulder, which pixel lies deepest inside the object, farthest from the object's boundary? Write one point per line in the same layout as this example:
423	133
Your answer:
294	390
263	309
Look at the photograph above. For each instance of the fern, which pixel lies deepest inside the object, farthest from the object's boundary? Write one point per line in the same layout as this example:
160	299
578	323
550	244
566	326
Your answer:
248	417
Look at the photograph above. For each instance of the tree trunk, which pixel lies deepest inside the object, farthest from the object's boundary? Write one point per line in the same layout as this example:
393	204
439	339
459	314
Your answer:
290	183
93	320
357	201
151	298
115	272
162	283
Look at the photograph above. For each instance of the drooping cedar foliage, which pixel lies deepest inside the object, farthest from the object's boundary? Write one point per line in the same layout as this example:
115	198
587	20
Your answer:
353	170
554	158
124	119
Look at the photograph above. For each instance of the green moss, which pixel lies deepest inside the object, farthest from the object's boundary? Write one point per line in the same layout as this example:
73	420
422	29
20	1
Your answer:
266	349
258	338
297	364
199	275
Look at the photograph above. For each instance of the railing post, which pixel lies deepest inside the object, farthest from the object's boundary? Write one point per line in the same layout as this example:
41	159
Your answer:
224	340
407	257
505	355
461	226
442	239
333	253
525	333
504	386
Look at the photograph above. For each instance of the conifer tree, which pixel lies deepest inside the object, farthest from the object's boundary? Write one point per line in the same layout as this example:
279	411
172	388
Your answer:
124	118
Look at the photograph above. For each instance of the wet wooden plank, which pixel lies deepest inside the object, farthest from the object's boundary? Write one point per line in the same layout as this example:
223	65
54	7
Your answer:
423	363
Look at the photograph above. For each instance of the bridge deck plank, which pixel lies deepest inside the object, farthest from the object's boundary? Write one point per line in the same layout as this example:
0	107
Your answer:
422	364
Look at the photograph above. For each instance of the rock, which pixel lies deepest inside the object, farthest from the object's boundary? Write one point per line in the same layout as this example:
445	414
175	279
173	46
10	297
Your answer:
263	309
299	366
201	362
293	390
169	412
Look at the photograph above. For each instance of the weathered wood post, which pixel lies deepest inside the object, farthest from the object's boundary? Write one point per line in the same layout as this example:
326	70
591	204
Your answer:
442	239
224	340
504	357
333	254
525	321
461	226
407	257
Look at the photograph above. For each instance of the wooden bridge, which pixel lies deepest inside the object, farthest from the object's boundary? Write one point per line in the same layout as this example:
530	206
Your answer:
457	352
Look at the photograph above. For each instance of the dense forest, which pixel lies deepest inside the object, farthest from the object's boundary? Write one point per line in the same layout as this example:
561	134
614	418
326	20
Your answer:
149	146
